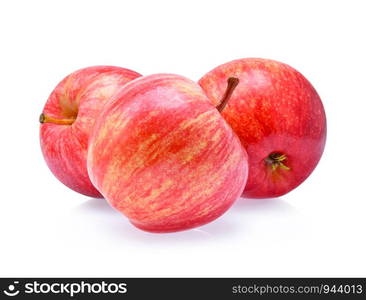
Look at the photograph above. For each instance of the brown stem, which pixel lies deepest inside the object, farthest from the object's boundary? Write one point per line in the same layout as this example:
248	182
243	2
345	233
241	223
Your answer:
232	82
47	119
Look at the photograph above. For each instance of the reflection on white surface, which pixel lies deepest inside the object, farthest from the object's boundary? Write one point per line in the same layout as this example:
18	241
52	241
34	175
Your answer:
245	219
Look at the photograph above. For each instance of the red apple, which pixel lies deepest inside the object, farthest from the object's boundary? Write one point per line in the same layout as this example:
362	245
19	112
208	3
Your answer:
279	119
68	118
162	155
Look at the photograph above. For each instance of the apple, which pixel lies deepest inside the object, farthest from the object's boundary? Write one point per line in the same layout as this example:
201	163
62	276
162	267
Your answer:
68	117
161	154
279	119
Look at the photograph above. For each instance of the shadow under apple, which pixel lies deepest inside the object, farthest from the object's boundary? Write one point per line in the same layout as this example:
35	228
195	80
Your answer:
238	221
120	226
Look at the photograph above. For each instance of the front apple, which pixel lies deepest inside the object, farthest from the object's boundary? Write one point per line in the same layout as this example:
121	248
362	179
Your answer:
279	119
68	118
162	154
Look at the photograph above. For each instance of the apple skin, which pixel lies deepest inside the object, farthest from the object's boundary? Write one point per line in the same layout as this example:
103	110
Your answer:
79	96
274	110
163	156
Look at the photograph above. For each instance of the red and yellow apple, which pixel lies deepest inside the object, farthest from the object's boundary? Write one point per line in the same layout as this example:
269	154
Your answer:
279	119
162	154
68	118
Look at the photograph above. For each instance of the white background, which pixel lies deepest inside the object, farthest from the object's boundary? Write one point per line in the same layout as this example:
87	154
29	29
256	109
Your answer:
316	230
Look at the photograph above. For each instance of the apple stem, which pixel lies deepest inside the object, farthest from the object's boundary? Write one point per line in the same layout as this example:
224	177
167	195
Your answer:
276	160
232	82
47	119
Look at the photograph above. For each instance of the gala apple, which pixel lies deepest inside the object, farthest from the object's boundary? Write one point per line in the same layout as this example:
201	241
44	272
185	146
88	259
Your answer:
68	118
162	154
279	119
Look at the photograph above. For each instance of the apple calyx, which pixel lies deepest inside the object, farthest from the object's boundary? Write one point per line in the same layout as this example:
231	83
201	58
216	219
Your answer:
276	160
47	119
232	82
